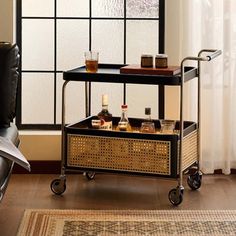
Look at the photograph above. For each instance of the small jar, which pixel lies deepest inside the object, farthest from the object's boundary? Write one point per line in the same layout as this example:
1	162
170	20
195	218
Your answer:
146	61
161	61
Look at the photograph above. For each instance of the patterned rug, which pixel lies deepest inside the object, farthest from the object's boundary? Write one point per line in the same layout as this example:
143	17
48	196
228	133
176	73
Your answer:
127	222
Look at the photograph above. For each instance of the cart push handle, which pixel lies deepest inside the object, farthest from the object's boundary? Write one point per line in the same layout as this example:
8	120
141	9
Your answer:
214	53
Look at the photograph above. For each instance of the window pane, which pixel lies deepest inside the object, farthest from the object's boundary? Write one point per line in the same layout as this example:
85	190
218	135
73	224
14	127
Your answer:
70	8
37	44
142	38
38	8
72	42
72	39
37	98
143	8
108	8
108	39
74	100
141	96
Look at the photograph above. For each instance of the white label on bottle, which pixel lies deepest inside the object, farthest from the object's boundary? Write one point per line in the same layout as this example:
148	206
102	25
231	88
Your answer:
106	125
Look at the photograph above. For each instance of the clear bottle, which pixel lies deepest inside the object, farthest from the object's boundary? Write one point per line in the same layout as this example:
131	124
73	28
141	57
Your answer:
104	115
124	124
148	125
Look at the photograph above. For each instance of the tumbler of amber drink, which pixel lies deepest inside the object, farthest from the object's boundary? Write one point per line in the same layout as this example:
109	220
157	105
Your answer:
91	61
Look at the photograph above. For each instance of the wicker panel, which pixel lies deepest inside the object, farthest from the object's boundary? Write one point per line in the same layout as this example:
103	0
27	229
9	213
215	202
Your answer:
144	156
189	150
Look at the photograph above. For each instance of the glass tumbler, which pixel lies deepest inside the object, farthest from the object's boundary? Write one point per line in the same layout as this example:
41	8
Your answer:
147	127
91	61
167	126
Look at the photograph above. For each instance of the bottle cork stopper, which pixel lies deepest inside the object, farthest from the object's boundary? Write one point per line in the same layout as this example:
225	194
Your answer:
147	111
124	106
105	99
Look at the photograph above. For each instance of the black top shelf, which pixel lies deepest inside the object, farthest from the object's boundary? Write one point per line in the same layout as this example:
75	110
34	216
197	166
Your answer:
110	73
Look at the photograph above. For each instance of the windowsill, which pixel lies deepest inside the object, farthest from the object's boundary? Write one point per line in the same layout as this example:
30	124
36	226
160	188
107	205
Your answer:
40	132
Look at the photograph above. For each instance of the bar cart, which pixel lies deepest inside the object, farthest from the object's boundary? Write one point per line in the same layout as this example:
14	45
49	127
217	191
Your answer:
91	150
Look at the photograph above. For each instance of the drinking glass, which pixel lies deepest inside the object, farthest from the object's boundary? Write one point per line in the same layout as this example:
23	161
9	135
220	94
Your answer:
96	124
147	127
167	126
91	61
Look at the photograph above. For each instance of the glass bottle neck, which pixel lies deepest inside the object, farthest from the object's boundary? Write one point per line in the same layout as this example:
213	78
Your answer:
148	118
104	107
124	113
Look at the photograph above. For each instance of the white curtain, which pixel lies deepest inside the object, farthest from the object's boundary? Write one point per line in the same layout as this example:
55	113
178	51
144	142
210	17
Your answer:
212	24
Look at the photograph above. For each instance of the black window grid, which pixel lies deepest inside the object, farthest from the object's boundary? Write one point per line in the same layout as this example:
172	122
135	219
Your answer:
90	18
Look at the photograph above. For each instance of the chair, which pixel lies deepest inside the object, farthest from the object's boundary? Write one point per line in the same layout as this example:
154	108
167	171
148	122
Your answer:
9	61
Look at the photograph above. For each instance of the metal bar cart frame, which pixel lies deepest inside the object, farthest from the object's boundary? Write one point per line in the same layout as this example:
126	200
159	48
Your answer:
58	186
194	180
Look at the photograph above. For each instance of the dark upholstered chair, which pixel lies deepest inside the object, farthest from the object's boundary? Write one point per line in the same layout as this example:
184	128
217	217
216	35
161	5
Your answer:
6	165
9	60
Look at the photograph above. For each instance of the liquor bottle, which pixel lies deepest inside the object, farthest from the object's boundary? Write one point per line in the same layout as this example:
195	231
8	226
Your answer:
104	115
124	124
147	125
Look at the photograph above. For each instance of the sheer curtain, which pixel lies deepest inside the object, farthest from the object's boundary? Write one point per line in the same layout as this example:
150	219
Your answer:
212	24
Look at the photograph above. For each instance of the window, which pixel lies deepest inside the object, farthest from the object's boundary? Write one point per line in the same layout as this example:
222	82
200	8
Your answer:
52	36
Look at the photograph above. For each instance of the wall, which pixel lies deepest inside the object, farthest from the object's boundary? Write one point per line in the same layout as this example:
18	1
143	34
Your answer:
41	145
6	20
172	47
45	145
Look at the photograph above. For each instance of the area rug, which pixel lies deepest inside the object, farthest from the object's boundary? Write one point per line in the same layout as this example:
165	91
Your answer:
127	222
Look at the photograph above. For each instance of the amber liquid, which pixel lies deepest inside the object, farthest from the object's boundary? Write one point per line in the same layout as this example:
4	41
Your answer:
91	66
106	117
122	127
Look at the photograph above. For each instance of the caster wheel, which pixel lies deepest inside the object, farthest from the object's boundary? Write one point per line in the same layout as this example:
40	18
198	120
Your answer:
176	196
90	175
58	186
194	181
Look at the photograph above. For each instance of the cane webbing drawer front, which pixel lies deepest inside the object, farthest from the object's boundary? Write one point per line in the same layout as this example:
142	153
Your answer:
124	154
189	150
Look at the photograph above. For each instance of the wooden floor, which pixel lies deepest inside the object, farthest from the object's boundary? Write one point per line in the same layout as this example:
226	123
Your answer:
109	191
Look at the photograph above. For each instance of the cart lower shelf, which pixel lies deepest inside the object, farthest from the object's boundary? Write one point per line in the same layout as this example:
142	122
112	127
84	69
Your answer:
92	150
155	154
